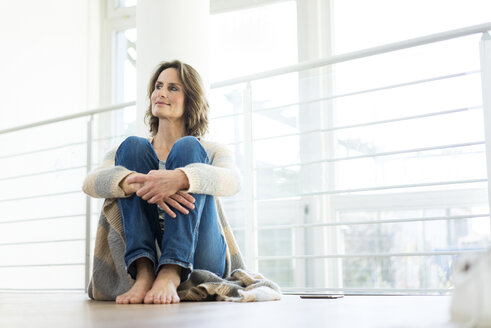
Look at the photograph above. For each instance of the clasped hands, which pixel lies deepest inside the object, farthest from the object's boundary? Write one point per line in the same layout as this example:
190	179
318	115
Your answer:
161	187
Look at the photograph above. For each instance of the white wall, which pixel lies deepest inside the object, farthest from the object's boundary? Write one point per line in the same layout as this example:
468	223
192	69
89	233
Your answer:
43	59
44	73
168	30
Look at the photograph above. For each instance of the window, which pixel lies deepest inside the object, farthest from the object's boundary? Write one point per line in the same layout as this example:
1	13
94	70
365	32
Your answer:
118	75
237	36
362	175
126	3
367	175
125	80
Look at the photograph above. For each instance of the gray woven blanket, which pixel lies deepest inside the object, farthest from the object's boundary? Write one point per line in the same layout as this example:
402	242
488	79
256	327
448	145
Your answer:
110	279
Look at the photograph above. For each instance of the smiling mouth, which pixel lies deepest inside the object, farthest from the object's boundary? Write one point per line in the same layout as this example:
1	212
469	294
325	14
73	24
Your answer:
161	103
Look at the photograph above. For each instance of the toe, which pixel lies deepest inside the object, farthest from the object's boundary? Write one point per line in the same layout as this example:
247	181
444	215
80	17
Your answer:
158	299
121	300
134	300
148	298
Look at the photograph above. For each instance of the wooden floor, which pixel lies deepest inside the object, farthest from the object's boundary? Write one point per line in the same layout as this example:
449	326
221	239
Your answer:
75	310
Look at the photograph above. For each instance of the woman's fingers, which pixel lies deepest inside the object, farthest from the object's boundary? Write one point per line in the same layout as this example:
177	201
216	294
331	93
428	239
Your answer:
142	191
166	209
133	187
146	192
183	201
145	195
176	205
176	201
154	191
187	196
130	189
137	178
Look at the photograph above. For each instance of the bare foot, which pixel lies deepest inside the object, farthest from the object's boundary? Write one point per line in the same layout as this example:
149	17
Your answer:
144	280
164	289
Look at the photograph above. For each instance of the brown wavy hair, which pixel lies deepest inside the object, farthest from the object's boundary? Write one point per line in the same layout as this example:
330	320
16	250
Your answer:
196	106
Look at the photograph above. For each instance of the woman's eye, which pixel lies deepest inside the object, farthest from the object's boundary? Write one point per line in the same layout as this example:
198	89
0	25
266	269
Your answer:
173	89
158	87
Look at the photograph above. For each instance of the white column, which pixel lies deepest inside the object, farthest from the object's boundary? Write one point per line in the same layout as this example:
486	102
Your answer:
486	100
167	30
314	42
251	250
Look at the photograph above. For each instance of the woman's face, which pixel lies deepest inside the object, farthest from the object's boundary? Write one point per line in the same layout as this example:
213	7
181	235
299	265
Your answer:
168	96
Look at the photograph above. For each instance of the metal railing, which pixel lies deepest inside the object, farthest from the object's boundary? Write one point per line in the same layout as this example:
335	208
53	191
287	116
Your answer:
251	229
410	43
88	165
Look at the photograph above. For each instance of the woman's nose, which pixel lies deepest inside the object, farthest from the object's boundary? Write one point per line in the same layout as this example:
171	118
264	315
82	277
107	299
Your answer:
162	93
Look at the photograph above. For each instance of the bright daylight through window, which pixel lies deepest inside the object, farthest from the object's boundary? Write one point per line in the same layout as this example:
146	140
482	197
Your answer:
363	175
367	175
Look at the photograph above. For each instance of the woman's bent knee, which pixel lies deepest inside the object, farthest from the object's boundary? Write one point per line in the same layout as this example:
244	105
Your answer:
185	151
134	150
135	143
187	143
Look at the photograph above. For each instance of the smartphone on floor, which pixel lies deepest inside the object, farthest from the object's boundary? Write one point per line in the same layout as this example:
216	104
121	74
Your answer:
319	296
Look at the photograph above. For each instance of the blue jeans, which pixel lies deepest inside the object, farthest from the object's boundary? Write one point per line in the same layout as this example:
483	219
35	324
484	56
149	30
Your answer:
192	241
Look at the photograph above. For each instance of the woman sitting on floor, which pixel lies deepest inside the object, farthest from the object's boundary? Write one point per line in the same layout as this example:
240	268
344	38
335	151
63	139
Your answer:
165	188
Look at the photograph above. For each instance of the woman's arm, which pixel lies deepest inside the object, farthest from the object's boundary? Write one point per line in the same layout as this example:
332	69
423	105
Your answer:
105	180
220	178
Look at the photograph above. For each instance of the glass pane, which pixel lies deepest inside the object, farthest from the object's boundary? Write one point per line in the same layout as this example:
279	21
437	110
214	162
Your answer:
227	101
43	253
282	211
373	17
68	204
43	230
280	271
124	120
126	3
49	277
237	36
417	236
125	70
229	129
357	125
